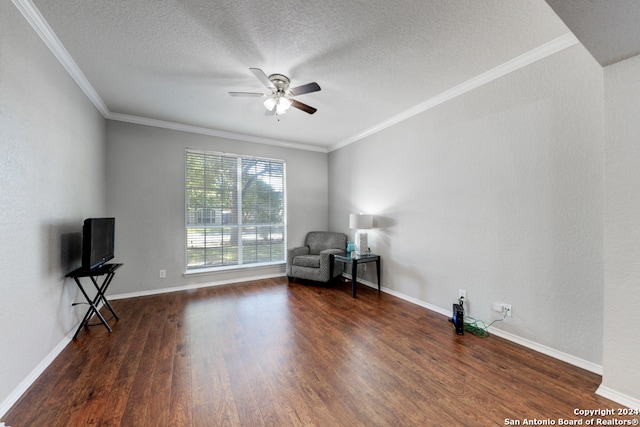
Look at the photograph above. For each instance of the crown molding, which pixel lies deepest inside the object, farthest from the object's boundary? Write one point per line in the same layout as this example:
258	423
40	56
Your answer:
527	58
210	132
42	28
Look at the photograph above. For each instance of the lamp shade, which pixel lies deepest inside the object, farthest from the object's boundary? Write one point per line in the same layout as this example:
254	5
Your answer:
360	221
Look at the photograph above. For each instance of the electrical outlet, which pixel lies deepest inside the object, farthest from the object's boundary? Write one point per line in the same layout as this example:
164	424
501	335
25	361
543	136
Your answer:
462	294
163	274
506	308
501	307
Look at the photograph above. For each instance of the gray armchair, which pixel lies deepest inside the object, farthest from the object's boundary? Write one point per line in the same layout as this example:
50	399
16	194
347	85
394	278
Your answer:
312	261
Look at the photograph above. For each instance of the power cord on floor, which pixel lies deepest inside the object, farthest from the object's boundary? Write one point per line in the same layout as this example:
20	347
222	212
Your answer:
478	327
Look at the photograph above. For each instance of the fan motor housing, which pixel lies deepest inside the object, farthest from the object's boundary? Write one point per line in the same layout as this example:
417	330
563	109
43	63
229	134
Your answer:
281	82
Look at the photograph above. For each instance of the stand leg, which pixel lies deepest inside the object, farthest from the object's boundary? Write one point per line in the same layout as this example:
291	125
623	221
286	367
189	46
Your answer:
107	270
378	272
92	309
354	277
101	290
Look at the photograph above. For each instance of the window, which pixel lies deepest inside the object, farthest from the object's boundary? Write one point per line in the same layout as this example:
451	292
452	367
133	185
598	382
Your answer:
235	211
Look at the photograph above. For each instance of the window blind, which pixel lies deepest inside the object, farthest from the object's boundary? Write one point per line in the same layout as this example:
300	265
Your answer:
235	210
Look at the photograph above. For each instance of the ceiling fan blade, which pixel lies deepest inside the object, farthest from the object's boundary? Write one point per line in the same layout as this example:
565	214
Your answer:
308	88
262	77
304	107
245	94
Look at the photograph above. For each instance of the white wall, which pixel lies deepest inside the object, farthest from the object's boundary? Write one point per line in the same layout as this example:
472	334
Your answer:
622	228
51	177
499	192
145	192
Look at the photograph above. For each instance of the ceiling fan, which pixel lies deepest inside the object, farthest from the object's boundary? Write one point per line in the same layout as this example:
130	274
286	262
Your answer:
281	97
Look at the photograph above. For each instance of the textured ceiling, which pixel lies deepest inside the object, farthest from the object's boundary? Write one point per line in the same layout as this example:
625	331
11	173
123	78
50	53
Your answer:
176	60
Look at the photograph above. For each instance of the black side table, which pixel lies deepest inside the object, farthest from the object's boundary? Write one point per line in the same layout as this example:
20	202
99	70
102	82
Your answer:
346	258
107	270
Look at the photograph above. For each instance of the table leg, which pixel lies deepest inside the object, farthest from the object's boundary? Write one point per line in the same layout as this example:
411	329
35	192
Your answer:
331	261
354	277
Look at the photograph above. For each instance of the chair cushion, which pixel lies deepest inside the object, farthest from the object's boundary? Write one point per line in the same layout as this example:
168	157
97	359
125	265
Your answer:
312	261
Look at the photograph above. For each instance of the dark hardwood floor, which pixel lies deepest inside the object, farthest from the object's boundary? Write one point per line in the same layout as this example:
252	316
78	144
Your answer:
274	353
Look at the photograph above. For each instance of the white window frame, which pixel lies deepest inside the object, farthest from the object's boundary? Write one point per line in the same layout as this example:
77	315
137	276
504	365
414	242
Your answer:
220	222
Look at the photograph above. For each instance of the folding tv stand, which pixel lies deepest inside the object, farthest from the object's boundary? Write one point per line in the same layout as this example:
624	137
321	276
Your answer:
107	270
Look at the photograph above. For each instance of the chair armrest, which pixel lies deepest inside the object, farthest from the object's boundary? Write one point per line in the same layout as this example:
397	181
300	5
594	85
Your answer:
324	255
325	264
333	251
294	252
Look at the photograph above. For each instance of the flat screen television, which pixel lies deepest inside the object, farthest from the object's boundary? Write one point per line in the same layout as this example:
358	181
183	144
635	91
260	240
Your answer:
97	242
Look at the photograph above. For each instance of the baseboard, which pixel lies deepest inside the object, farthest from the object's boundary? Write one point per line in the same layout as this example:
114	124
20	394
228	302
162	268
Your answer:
568	358
15	395
618	397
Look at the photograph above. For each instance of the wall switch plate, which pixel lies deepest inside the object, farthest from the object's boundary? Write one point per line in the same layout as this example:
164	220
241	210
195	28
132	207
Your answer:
163	274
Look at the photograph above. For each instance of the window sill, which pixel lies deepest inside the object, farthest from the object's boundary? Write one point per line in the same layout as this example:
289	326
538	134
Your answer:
231	268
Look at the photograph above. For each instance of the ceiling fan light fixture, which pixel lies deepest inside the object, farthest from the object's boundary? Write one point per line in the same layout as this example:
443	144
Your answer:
270	103
281	97
283	105
280	110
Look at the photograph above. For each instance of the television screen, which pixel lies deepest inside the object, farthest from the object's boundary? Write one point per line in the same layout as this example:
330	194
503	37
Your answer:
97	242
